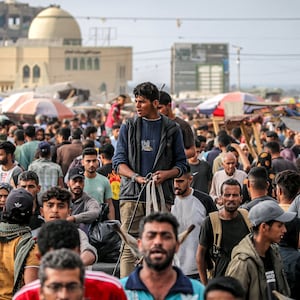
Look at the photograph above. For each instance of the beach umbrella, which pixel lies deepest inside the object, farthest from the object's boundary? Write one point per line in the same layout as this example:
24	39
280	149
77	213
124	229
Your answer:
9	104
46	107
216	105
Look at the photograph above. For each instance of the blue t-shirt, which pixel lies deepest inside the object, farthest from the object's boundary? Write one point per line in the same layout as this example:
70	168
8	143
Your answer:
183	289
150	140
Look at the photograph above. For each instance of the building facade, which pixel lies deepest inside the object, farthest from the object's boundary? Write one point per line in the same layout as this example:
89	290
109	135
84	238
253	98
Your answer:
53	52
199	67
15	19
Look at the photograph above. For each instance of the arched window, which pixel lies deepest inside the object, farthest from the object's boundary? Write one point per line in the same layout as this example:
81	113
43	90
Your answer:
82	63
26	73
75	63
89	64
68	63
96	64
36	73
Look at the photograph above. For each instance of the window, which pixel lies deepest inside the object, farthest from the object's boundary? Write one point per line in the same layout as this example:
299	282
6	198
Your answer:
89	64
82	63
75	63
14	22
36	73
67	63
26	73
96	63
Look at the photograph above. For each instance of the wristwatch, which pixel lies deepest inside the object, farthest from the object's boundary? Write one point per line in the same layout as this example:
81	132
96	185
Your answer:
134	176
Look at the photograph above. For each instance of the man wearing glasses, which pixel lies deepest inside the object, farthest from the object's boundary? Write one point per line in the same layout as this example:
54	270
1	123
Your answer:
62	275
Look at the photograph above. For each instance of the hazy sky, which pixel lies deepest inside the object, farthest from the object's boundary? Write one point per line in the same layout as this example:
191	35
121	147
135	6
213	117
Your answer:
270	38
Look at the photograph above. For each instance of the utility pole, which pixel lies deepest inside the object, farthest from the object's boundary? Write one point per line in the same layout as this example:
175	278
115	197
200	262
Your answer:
238	64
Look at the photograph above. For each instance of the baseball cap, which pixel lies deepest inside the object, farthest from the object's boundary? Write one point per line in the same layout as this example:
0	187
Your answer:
76	172
19	199
269	210
44	147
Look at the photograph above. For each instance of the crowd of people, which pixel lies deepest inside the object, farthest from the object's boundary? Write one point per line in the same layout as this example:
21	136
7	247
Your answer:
158	174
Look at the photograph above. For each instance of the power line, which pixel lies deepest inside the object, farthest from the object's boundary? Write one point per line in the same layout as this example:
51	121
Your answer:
269	55
188	19
178	20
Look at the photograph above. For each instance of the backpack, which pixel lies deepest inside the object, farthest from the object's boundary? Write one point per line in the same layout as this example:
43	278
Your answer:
217	233
104	238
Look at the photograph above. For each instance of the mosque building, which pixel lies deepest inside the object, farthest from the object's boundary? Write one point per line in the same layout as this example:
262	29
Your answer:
53	52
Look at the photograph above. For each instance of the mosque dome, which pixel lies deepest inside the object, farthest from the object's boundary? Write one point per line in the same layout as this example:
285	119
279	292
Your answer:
55	23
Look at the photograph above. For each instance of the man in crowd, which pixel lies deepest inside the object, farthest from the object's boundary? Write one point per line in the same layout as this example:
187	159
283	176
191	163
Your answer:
229	172
95	185
234	224
28	149
29	181
18	262
114	114
67	152
201	171
157	278
255	261
62	138
278	162
165	108
257	185
115	135
149	143
223	141
90	133
57	206
49	173
85	209
19	140
287	188
224	288
9	169
106	154
290	254
190	207
54	236
5	189
62	274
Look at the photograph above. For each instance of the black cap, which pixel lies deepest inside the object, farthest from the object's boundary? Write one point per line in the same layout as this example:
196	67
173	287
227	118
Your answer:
76	172
19	199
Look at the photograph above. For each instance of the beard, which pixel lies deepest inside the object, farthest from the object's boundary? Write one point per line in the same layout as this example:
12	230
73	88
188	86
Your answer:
230	208
77	191
180	192
3	161
160	265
